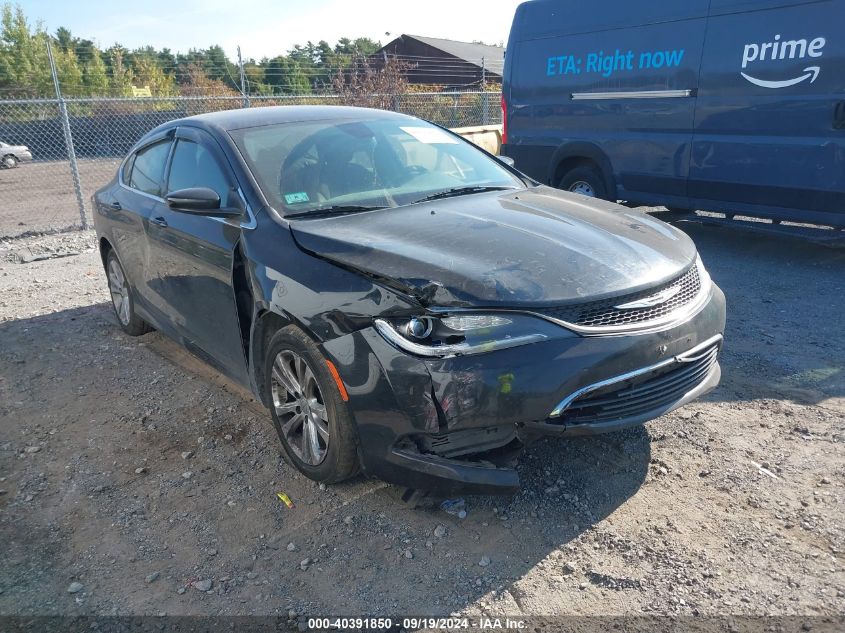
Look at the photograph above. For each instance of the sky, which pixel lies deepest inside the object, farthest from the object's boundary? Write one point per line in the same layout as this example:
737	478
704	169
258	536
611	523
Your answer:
269	27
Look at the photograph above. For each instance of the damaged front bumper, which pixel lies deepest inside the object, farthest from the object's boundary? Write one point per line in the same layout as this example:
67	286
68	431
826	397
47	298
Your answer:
455	425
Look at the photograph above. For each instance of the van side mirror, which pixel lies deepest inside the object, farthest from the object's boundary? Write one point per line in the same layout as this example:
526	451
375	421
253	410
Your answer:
507	160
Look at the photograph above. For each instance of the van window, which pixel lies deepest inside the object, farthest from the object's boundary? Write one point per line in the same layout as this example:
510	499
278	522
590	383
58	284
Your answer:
148	168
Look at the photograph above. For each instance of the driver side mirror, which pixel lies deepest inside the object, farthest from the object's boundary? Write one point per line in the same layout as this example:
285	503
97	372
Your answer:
507	160
200	201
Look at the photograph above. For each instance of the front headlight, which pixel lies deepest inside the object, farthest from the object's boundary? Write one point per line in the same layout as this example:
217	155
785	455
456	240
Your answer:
461	333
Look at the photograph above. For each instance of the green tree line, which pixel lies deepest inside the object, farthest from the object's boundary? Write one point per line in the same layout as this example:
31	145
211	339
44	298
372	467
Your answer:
84	69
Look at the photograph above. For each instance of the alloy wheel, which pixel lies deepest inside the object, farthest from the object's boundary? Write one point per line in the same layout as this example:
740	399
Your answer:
300	407
582	187
119	292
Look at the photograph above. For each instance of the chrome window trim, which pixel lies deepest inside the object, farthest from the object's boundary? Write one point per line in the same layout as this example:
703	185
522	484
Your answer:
139	192
690	355
250	224
631	94
133	154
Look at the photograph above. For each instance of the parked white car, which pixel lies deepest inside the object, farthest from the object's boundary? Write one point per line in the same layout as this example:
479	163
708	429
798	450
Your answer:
11	155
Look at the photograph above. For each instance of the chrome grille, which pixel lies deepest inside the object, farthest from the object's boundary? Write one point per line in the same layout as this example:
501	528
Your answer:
642	394
605	313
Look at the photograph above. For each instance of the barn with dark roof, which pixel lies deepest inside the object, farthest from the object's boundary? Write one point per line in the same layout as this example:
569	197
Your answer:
442	62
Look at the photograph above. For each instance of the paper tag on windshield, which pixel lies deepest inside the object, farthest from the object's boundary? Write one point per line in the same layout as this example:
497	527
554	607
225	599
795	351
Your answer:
293	198
430	135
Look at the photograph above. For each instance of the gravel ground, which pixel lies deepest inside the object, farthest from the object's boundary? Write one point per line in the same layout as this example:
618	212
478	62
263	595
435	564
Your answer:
136	480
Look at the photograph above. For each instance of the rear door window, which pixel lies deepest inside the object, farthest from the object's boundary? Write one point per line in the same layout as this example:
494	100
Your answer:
148	168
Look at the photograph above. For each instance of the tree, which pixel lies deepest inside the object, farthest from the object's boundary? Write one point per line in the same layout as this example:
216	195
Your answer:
121	76
360	47
255	78
218	66
69	73
95	76
64	38
196	83
85	50
365	85
85	70
24	65
167	60
147	73
286	76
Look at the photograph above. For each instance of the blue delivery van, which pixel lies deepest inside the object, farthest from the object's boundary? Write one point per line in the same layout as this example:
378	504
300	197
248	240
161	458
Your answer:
735	106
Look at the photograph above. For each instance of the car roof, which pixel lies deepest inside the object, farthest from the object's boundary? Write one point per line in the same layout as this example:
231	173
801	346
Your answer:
271	115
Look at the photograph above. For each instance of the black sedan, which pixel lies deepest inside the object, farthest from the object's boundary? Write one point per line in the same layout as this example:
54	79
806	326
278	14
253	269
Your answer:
403	302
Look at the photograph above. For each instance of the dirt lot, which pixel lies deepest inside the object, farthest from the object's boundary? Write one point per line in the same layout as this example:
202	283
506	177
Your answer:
133	470
39	196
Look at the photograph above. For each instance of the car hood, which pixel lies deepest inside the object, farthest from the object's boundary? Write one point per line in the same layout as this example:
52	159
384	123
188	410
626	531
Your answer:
530	247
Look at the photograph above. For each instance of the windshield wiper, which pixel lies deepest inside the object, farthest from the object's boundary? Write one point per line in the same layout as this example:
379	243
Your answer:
334	210
461	191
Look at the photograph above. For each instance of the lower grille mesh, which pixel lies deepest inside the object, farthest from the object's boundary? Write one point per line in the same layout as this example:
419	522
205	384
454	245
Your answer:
642	394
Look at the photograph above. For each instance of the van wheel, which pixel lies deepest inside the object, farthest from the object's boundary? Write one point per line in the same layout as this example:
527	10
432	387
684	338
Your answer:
584	180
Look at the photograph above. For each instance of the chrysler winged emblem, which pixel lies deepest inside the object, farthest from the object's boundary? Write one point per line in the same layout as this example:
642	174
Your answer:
653	300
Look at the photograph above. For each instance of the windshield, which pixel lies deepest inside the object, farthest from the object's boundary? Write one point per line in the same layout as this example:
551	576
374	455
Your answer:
345	164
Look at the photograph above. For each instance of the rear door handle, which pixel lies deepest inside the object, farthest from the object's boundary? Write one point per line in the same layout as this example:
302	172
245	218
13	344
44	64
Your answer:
116	205
160	221
839	116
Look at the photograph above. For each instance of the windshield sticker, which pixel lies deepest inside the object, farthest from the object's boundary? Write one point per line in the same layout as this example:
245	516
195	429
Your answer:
296	198
430	135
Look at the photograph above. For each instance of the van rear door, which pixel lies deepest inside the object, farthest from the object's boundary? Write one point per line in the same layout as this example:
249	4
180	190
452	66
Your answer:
766	138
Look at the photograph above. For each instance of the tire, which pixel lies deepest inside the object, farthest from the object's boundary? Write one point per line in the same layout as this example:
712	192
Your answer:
122	298
314	424
10	162
585	180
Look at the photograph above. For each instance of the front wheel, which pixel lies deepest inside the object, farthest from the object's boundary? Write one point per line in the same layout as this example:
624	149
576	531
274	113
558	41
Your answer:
312	419
584	180
10	162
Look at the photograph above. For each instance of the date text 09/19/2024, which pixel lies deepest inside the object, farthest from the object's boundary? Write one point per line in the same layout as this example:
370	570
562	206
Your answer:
414	623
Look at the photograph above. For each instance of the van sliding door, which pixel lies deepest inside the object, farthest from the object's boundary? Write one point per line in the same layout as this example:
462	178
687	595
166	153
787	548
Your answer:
620	78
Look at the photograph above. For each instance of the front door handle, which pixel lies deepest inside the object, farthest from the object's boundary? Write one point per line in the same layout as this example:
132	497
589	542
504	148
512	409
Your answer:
116	205
159	221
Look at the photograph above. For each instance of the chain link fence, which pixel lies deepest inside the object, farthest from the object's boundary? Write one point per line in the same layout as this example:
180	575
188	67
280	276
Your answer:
76	144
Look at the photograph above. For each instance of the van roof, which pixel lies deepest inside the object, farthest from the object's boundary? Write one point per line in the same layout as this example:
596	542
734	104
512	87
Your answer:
549	18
